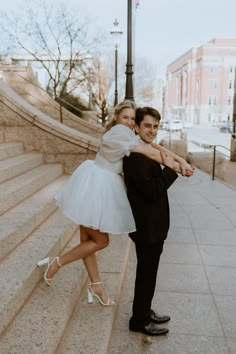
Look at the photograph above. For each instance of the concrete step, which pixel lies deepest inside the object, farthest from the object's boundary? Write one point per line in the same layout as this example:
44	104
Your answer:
15	166
58	319
19	274
19	188
40	324
10	149
19	222
90	328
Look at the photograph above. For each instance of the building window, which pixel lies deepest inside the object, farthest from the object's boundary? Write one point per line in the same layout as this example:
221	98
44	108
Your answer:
212	84
230	84
214	51
213	69
212	100
229	100
231	69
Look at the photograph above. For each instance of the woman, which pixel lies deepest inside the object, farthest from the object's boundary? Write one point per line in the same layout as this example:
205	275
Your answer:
95	198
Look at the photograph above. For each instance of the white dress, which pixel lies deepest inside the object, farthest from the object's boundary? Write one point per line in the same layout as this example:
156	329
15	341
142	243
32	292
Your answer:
95	194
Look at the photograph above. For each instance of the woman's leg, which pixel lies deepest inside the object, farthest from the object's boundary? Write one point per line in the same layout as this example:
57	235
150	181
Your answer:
91	265
96	241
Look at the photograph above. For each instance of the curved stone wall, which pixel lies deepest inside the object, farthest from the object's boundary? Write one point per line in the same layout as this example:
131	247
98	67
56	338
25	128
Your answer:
22	122
23	81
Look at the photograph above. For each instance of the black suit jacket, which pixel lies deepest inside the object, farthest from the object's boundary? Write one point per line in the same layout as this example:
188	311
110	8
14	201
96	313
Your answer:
147	185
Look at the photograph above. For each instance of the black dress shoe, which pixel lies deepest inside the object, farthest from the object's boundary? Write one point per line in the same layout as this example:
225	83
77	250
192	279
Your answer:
156	318
150	329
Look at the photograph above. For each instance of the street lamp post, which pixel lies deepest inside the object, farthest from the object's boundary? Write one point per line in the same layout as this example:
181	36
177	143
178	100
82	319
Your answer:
116	33
129	95
233	136
89	61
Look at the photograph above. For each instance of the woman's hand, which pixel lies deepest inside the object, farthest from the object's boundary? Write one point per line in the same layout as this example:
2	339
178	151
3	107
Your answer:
186	169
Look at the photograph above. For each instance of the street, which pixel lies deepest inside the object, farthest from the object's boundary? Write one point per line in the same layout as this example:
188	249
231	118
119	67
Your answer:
198	136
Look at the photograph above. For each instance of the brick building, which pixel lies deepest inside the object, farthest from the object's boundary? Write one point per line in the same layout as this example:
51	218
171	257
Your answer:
200	84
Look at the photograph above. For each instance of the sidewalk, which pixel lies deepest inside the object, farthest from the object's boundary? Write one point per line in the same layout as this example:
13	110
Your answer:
196	284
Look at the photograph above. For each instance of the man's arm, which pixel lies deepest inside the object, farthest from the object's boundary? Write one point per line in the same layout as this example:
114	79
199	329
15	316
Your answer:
138	172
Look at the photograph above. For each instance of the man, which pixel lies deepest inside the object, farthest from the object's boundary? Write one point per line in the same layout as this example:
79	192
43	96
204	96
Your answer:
147	185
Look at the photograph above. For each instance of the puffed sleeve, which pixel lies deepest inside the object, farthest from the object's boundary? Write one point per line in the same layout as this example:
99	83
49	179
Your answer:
117	142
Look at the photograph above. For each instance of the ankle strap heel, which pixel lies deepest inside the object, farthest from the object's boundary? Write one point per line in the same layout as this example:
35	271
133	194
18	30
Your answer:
46	261
90	297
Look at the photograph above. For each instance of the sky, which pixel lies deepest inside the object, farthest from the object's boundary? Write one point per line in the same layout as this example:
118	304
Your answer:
164	29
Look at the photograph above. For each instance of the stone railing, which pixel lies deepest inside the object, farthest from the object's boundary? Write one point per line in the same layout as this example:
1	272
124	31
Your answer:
23	81
178	146
22	122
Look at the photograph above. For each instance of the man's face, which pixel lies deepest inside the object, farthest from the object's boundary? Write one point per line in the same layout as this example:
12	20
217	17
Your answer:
148	129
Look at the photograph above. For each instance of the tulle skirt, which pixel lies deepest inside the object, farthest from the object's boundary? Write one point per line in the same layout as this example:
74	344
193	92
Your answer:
96	198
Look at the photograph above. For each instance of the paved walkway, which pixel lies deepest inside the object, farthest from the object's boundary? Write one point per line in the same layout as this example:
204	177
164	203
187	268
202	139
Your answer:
197	279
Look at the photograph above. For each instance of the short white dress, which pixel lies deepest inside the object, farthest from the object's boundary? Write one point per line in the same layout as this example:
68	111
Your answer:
95	194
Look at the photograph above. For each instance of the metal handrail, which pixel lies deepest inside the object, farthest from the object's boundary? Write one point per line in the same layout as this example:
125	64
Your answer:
210	146
214	157
60	101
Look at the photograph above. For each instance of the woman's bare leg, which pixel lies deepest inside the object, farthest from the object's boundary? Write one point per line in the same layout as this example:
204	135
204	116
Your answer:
97	240
91	266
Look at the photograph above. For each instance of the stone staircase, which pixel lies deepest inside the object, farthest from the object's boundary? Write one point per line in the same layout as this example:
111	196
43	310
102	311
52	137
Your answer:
35	318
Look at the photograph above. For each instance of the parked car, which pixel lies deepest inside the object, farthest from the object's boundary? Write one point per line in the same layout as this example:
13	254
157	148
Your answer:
175	125
163	124
188	125
226	127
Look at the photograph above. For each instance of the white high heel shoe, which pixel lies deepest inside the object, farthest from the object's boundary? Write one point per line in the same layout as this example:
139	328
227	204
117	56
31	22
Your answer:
91	294
46	261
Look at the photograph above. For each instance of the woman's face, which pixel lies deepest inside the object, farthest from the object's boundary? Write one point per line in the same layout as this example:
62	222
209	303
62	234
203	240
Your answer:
126	117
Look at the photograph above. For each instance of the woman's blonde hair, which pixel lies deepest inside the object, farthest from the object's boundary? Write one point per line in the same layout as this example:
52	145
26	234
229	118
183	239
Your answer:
117	110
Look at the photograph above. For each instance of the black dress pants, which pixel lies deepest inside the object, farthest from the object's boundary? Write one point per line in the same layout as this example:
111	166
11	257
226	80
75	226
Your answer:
148	257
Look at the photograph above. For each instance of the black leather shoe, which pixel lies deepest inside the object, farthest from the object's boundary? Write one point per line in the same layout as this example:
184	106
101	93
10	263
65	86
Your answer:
150	329
157	318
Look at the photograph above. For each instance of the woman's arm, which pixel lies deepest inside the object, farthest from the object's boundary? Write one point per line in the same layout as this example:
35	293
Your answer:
159	156
167	151
184	165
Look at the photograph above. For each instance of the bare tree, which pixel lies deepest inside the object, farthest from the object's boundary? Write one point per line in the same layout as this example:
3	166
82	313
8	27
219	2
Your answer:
99	86
54	36
144	81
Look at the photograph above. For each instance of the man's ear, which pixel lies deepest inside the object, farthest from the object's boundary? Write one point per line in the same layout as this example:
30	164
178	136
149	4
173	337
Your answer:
136	128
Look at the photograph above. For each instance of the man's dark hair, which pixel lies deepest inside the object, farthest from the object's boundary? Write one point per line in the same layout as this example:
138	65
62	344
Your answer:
143	111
